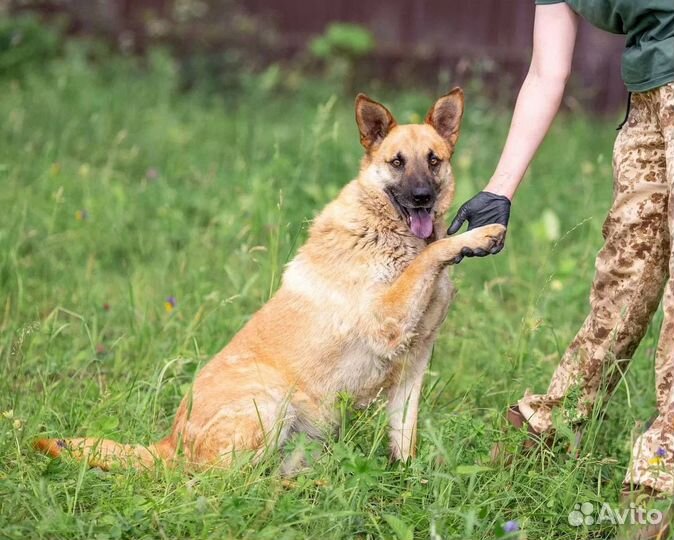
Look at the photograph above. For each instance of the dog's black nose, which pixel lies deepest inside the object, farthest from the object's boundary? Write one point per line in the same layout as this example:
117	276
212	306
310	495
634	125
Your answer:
422	195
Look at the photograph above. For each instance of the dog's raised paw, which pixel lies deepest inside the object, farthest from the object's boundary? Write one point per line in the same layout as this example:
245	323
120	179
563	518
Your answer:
485	237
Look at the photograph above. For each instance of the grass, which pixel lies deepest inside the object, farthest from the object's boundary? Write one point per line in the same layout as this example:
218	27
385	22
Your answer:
118	192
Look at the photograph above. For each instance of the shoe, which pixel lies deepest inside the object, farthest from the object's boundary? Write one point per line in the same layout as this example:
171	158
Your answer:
643	497
500	455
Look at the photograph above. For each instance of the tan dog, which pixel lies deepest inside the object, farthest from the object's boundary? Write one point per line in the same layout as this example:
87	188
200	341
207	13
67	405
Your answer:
358	310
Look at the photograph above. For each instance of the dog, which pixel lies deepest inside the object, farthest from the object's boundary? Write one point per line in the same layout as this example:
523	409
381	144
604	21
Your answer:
357	312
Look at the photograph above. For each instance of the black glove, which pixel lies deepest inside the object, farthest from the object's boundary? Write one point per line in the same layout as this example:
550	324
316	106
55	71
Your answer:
483	209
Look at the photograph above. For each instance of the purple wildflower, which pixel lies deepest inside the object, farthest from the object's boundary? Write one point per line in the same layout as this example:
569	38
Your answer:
511	526
661	452
152	174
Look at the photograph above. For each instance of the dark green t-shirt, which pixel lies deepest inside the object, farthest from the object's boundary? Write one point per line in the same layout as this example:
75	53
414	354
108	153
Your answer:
648	60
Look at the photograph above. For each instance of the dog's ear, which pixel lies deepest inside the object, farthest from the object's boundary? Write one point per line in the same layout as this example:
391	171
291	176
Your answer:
374	121
445	116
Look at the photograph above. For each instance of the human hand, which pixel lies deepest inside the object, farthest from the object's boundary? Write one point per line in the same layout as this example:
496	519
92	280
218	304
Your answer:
485	208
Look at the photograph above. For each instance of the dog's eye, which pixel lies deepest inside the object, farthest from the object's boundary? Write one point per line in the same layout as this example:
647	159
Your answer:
397	163
433	161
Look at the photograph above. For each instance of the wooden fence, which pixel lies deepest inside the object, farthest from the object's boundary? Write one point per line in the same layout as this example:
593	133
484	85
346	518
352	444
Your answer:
456	35
416	39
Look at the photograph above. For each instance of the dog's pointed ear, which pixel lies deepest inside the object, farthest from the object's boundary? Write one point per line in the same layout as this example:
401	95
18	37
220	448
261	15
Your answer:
374	121
445	116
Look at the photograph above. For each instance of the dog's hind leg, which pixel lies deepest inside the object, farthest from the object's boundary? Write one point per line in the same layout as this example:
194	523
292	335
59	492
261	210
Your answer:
248	424
303	443
298	459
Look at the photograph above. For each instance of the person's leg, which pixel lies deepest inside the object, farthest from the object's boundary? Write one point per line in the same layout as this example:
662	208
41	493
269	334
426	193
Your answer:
653	454
631	270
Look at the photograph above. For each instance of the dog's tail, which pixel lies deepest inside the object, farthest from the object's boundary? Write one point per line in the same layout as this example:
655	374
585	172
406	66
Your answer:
104	453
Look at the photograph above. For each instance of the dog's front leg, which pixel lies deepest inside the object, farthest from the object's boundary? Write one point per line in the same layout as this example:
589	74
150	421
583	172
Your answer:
403	405
401	305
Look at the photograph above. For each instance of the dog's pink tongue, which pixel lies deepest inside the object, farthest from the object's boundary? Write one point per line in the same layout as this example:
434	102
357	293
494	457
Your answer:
421	222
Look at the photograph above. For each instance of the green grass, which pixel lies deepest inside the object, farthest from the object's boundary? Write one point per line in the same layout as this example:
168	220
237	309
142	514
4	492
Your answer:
205	198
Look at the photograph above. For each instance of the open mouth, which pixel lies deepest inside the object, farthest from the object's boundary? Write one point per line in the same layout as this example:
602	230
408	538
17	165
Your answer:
418	219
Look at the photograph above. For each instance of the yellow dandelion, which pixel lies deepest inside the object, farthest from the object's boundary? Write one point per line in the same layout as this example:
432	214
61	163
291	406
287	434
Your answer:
170	304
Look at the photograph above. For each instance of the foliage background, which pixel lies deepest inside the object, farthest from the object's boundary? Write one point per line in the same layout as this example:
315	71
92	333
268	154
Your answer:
121	188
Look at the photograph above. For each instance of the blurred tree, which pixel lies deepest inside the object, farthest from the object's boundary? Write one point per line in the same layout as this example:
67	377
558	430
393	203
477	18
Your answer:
217	42
340	47
25	42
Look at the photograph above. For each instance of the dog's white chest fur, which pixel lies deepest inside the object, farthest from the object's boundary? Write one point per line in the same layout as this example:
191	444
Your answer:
357	368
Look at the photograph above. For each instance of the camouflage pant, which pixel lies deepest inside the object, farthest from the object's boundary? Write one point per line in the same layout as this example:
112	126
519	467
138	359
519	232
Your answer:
632	270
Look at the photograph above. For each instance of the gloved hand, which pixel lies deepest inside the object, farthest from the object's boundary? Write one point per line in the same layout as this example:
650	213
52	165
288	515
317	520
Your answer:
483	209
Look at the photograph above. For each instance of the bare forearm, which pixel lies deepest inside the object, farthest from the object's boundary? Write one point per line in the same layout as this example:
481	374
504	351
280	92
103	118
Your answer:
555	27
538	101
537	105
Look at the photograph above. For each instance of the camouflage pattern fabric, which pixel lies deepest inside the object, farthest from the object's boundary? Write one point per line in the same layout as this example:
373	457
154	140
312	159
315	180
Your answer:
632	271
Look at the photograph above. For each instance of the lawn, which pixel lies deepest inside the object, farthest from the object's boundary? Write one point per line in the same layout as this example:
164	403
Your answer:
119	191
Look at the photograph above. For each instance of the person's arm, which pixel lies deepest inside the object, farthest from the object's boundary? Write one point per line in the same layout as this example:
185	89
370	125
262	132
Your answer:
537	104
